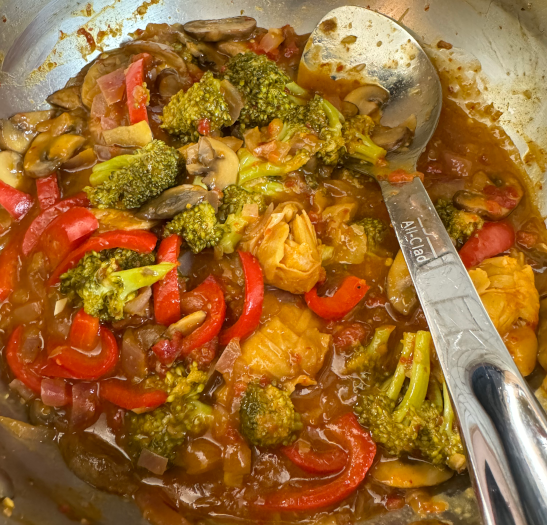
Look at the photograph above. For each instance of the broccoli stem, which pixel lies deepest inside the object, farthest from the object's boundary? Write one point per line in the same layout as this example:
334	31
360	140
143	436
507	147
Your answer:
137	278
398	378
251	167
367	151
335	117
434	394
298	94
419	376
268	188
448	412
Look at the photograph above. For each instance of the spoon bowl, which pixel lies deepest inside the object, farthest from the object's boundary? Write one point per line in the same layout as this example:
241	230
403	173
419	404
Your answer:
353	46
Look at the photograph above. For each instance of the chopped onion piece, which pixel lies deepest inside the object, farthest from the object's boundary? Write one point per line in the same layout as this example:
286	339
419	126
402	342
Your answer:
132	356
153	462
271	40
140	304
84	404
60	306
54	392
226	362
112	86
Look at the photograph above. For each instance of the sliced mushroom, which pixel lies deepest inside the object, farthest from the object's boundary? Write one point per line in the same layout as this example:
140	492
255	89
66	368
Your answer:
220	170
204	52
221	29
409	474
493	197
233	48
110	219
28	121
368	98
84	160
13	138
11	168
169	82
187	324
172	202
392	139
233	99
64	123
66	98
161	51
47	153
349	109
400	289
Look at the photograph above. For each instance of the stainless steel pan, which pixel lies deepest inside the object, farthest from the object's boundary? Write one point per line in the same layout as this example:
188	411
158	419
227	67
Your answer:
502	43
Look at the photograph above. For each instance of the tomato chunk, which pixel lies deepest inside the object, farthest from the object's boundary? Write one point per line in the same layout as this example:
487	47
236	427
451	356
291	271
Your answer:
491	240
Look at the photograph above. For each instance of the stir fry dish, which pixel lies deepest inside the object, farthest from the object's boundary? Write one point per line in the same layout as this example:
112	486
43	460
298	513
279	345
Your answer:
210	308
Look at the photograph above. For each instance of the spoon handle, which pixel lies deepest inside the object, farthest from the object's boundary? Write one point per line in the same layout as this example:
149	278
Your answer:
504	428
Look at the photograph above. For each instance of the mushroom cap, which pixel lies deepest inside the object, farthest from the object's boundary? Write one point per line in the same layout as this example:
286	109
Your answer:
47	153
66	98
392	138
221	29
214	159
172	202
367	98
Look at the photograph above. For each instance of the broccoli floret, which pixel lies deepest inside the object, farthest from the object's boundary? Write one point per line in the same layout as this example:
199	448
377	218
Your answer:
128	181
367	358
198	226
459	224
375	230
203	102
359	145
105	282
410	423
165	428
235	197
230	213
266	89
327	122
268	417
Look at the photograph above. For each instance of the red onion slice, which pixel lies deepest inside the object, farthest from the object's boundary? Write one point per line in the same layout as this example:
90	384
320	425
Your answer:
54	392
84	404
112	86
153	462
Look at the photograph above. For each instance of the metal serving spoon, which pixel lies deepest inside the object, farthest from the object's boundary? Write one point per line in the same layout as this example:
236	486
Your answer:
504	428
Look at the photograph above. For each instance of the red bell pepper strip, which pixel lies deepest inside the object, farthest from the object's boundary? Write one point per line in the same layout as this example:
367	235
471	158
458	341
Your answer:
79	365
9	269
48	191
66	233
361	451
42	221
124	394
491	240
341	303
84	332
254	298
328	462
211	299
139	241
137	94
166	292
21	370
16	203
